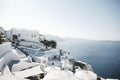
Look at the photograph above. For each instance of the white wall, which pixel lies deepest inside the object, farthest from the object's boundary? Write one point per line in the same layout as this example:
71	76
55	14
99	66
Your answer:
6	54
8	34
4	48
26	35
35	45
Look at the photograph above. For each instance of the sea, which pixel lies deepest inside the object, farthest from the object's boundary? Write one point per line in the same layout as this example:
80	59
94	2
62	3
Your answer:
104	56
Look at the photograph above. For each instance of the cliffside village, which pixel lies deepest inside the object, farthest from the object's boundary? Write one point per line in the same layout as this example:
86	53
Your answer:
23	56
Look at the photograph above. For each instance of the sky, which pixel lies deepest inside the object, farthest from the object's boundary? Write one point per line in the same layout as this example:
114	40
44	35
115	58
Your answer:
86	19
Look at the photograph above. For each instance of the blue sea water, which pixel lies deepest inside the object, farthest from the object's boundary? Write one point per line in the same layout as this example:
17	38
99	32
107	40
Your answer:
104	56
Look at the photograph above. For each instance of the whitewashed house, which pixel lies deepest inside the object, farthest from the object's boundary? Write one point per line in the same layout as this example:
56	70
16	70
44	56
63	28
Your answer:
23	35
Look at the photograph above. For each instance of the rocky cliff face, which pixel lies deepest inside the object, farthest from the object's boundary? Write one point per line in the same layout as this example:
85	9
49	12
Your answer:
84	67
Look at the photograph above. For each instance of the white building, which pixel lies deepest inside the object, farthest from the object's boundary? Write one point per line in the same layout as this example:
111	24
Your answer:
60	75
8	54
85	75
23	35
21	69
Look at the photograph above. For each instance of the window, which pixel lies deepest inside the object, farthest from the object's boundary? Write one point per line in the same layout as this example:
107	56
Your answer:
19	35
44	61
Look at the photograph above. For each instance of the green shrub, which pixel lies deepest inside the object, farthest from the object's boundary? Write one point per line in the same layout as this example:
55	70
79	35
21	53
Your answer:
81	65
98	78
48	43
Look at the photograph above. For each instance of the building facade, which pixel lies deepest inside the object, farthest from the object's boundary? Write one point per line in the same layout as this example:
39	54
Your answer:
23	35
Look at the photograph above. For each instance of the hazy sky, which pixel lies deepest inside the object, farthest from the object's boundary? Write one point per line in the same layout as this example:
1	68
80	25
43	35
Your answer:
89	19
